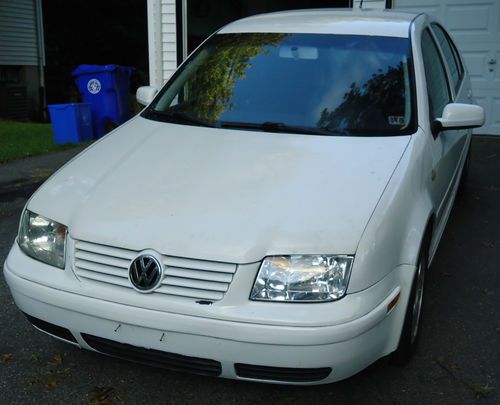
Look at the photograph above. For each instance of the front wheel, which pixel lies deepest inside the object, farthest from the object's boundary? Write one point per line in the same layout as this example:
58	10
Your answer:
411	326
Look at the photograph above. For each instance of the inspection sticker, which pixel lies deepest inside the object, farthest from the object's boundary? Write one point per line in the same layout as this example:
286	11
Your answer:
94	86
396	120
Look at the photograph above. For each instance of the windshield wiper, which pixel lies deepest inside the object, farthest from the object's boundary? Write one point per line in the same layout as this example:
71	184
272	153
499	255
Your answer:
178	117
274	127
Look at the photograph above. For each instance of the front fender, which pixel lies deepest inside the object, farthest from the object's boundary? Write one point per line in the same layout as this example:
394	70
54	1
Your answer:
397	226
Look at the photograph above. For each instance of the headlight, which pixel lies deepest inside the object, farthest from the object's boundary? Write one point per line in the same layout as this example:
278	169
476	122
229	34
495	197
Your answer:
308	278
42	239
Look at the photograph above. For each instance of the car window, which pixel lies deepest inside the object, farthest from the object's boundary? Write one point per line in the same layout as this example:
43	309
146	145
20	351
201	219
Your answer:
450	55
435	75
305	83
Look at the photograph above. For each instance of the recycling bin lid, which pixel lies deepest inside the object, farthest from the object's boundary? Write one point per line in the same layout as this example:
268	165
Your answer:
66	105
87	69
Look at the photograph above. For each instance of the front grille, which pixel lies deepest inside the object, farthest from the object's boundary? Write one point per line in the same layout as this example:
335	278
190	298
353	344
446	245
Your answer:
52	329
284	374
156	358
190	278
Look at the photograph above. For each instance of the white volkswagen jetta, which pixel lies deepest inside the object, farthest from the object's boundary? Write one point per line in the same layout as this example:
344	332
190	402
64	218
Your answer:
271	214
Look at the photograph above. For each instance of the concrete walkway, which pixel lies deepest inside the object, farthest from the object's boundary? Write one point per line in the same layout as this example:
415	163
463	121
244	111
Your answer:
36	167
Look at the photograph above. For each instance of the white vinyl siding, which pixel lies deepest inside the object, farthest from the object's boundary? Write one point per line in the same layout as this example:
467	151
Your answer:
169	43
162	40
18	33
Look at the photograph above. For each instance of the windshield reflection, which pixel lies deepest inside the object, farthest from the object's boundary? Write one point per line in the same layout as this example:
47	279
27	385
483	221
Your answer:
297	83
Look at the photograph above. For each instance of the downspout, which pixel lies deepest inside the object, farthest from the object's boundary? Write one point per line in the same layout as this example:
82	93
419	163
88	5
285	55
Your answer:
41	59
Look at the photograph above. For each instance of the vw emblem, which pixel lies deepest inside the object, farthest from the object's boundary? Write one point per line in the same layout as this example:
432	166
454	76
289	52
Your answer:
145	273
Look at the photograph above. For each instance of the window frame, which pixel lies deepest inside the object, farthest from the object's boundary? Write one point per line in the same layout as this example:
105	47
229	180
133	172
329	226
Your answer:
451	94
456	56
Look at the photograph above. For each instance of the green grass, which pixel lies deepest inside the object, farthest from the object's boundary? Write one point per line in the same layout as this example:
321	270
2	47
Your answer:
23	139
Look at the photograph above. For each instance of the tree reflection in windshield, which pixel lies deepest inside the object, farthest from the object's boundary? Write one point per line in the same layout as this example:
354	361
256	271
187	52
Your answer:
375	104
209	91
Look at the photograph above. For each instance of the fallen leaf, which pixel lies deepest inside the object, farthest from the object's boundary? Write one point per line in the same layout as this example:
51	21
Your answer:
454	367
101	395
58	359
35	381
488	244
6	357
445	274
482	390
51	384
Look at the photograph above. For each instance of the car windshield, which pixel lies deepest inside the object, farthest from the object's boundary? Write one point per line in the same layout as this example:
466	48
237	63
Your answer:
300	83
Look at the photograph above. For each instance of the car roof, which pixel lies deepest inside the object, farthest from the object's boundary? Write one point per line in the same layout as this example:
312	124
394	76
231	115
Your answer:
353	21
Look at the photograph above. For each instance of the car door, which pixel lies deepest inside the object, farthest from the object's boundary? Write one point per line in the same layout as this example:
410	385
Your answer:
445	84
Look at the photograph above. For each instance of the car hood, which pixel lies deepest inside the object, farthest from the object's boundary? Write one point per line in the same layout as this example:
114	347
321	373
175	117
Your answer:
225	195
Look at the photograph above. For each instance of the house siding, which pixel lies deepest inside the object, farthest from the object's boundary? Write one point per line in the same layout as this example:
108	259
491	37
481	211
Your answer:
18	33
169	44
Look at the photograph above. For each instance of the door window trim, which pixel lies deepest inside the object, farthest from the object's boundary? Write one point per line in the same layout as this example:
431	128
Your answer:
451	95
456	56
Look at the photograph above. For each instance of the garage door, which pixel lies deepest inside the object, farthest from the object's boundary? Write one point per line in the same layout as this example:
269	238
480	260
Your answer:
475	27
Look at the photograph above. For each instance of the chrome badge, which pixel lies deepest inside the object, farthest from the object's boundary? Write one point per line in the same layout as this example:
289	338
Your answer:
145	273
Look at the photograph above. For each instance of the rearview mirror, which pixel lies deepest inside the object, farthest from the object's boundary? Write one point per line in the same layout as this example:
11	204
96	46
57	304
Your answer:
145	94
459	116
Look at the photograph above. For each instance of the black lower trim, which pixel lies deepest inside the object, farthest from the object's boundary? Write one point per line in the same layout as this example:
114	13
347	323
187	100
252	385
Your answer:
55	330
281	373
156	358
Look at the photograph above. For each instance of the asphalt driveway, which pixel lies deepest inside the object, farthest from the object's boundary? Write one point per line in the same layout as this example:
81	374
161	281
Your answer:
458	361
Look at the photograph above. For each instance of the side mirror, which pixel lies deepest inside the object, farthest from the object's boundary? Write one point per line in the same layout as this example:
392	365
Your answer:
459	116
145	94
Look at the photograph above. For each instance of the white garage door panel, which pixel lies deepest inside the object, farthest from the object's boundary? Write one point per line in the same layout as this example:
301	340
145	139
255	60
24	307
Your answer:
475	61
470	19
496	111
475	28
423	9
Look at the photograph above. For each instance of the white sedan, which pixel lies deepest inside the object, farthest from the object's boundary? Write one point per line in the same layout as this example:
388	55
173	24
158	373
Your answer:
271	214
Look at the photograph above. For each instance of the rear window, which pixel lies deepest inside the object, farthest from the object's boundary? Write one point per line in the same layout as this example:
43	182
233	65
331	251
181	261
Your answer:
304	83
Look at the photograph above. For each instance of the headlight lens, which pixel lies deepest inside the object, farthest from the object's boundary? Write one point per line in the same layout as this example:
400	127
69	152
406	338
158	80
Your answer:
43	239
302	278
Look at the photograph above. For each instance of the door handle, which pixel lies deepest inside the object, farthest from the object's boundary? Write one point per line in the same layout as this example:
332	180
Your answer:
492	62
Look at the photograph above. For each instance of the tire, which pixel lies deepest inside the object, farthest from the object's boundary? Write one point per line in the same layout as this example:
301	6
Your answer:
408	340
464	176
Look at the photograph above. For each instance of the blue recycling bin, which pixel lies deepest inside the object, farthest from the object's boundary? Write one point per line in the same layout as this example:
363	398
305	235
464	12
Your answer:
106	88
71	123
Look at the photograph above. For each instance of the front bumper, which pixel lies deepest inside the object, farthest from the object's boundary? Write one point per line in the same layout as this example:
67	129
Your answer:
346	347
